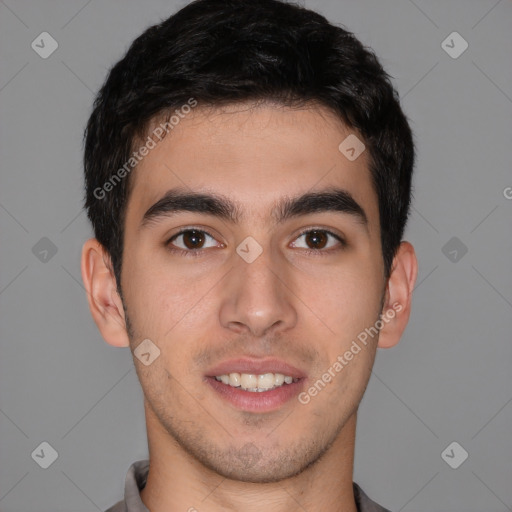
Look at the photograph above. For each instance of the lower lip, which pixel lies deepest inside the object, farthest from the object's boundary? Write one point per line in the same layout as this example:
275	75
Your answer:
257	401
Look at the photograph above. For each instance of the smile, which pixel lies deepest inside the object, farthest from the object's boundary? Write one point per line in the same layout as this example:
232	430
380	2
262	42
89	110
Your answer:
256	383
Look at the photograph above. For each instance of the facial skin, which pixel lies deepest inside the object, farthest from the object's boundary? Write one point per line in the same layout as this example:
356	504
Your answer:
302	308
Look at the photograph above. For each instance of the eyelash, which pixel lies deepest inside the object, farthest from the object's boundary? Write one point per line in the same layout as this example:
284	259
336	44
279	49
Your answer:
194	253
311	252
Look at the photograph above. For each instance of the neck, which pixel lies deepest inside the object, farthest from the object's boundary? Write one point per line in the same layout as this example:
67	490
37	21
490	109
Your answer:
177	481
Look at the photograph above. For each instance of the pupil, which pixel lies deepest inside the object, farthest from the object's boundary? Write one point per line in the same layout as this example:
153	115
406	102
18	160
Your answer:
317	237
195	237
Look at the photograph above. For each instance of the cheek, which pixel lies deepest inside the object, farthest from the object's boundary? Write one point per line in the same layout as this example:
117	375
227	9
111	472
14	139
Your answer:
348	305
166	306
348	298
149	295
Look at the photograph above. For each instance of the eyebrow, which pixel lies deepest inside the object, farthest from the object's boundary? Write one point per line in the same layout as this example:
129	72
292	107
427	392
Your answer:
179	200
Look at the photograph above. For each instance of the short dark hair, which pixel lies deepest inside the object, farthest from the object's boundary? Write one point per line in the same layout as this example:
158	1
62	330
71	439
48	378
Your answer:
221	52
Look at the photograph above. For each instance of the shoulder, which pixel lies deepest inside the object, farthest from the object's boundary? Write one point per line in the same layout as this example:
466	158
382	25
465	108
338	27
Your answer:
364	503
120	506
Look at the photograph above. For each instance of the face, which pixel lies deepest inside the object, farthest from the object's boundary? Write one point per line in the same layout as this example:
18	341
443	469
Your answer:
235	267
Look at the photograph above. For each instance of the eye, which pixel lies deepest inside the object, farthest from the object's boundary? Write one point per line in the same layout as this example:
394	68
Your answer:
317	240
191	240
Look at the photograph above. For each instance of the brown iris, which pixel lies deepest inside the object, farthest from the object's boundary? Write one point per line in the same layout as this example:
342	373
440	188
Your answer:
318	238
193	239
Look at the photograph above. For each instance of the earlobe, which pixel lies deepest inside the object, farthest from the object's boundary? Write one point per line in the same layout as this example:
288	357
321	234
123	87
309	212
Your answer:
397	305
104	301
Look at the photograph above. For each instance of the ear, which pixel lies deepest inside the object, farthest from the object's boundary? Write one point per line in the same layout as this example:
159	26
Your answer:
104	301
398	297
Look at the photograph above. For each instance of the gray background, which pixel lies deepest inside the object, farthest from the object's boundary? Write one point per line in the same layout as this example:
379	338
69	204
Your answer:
448	380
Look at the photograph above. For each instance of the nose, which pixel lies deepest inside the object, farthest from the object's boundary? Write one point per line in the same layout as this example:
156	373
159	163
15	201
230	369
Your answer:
258	296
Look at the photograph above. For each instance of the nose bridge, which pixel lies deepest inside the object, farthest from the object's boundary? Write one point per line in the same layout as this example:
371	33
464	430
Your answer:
256	295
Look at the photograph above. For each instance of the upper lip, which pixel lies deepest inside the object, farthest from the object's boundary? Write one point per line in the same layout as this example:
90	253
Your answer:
255	367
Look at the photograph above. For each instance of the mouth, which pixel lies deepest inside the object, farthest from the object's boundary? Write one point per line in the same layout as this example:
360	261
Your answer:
256	385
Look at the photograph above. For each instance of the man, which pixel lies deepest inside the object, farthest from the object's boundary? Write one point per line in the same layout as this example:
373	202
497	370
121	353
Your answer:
248	172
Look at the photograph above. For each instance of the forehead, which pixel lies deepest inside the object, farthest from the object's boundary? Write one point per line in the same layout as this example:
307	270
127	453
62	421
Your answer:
253	154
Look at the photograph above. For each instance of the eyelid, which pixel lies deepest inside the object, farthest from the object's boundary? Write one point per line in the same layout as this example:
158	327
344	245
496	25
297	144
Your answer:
187	229
198	252
192	227
339	237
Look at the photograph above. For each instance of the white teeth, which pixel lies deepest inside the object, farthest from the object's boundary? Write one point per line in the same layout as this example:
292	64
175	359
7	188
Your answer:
255	383
234	379
266	381
248	381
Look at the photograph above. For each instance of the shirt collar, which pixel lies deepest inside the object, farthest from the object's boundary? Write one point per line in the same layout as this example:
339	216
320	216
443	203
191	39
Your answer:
137	476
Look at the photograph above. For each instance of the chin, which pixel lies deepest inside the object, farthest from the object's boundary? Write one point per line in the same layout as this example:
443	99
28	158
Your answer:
260	473
251	464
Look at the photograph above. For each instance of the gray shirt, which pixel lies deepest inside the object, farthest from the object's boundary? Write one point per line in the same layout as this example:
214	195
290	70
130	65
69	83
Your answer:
138	473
